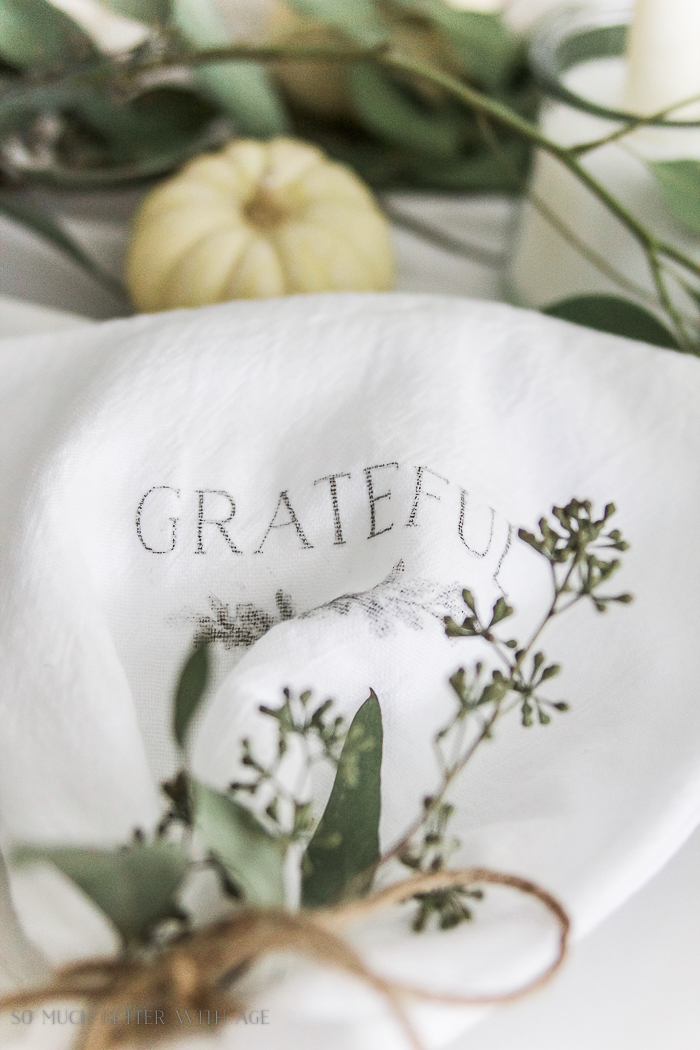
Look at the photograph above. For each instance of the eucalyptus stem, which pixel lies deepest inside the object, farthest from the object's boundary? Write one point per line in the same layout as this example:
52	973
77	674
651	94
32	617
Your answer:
630	125
576	571
449	776
627	128
586	252
258	53
562	228
515	678
682	335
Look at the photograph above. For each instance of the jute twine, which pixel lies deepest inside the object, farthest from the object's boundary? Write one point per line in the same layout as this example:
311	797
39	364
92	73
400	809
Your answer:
198	971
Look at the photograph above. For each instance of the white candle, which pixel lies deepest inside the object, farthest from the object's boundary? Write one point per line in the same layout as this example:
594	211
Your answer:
111	32
663	56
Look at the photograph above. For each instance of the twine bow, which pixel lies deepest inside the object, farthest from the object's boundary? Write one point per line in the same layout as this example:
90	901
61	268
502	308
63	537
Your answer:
196	972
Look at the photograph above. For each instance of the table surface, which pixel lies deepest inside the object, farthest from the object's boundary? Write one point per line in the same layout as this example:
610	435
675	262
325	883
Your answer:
631	985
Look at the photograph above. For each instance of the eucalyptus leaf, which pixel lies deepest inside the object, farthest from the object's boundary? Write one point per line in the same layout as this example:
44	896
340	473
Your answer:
190	691
42	223
360	19
398	116
134	886
680	183
167	120
392	167
21	103
252	857
150	132
162	123
345	845
608	313
35	34
243	90
480	170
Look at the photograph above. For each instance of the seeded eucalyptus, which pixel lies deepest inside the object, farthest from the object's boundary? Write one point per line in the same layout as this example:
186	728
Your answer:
574	546
321	733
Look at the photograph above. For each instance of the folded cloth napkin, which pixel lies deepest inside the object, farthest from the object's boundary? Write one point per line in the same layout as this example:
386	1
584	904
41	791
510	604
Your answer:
310	482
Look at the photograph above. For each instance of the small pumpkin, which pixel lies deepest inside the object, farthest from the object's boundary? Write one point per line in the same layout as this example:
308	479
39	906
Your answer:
316	87
321	89
254	220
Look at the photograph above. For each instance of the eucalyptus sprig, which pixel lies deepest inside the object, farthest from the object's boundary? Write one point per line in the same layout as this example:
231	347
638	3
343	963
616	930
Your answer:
574	546
320	733
245	833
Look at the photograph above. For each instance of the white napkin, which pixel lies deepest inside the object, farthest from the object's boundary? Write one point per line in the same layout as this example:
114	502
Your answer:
142	483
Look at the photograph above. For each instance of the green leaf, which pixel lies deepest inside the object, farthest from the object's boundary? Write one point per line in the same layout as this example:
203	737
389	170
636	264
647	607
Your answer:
680	183
252	857
399	168
165	120
163	123
190	690
400	117
608	313
153	12
135	886
359	19
243	90
345	844
108	143
480	170
106	137
482	42
41	222
34	33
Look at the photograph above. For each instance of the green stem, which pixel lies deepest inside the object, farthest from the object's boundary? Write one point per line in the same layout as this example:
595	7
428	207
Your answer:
586	252
562	228
684	340
633	124
385	56
587	147
471	97
448	777
240	53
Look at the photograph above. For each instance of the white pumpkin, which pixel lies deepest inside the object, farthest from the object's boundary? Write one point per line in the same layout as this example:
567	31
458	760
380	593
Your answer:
257	219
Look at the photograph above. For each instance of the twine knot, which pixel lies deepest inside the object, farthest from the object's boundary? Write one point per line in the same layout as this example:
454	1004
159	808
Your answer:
199	971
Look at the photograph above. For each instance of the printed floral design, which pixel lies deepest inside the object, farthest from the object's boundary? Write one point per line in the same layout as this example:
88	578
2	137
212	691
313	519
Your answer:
243	626
397	600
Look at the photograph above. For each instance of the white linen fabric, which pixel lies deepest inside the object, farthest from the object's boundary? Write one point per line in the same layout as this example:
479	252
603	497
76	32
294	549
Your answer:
312	481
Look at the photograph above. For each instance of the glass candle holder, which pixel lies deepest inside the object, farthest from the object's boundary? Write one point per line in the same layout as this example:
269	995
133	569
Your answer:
568	244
